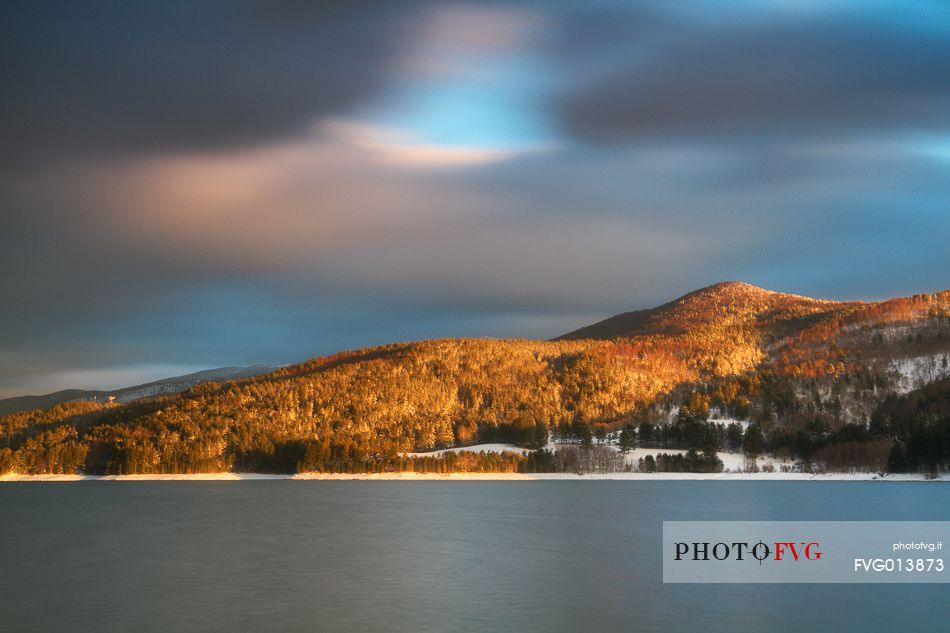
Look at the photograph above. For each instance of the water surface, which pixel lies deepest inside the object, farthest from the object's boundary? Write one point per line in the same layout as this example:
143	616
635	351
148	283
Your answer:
424	556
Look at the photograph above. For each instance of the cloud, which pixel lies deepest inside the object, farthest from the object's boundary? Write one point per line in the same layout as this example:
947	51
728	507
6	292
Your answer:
850	73
121	79
457	40
302	247
264	183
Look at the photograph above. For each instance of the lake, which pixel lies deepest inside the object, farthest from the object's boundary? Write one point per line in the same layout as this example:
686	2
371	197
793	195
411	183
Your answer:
424	556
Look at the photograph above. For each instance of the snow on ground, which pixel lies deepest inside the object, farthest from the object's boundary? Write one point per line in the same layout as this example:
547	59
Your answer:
153	477
917	371
731	462
411	476
734	465
18	477
726	421
477	448
776	476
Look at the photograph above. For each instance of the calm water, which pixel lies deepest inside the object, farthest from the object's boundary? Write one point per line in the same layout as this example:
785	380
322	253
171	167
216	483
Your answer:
423	556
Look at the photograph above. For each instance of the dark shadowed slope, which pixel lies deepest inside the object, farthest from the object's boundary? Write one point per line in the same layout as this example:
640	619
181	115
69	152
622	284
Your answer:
166	386
28	403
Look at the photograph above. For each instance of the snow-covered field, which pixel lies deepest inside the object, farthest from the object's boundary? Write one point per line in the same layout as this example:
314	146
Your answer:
727	421
731	462
477	448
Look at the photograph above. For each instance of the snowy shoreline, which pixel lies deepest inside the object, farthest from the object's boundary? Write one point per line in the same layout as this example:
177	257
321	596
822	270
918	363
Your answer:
414	476
770	469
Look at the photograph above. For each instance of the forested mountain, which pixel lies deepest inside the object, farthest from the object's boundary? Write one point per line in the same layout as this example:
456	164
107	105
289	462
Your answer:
807	375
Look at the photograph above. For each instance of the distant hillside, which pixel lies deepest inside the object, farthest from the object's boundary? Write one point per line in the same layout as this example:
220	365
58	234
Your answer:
28	403
804	375
165	386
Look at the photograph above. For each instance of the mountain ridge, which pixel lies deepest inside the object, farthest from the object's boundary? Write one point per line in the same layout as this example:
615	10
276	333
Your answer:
694	307
163	386
808	374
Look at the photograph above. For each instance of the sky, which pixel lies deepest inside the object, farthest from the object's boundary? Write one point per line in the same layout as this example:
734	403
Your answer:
192	185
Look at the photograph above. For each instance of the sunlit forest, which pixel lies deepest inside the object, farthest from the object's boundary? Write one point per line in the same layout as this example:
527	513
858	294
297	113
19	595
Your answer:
830	386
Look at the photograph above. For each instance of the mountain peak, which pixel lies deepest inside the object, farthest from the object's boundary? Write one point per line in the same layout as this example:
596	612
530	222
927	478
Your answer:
724	303
737	289
728	291
736	286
